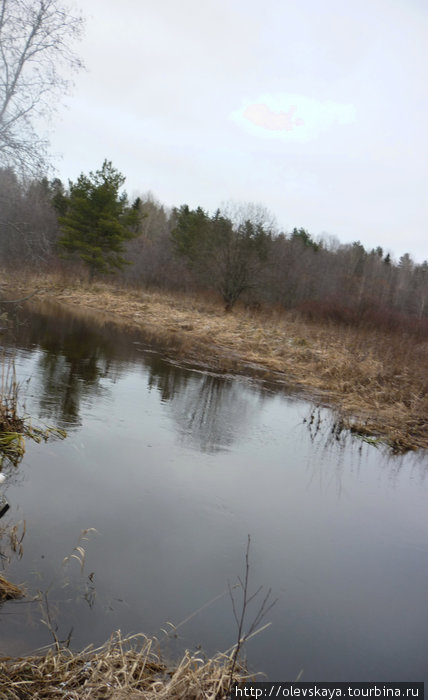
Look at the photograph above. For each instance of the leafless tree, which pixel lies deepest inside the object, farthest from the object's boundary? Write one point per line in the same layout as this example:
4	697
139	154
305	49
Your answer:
153	261
36	53
239	212
28	222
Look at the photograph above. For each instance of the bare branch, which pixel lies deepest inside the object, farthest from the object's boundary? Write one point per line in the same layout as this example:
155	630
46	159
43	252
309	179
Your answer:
35	56
240	618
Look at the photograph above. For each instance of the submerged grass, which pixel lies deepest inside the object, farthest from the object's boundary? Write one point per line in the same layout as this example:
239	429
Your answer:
12	446
376	379
122	669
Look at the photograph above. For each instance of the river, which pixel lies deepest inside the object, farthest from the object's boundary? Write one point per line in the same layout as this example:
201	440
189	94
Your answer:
174	468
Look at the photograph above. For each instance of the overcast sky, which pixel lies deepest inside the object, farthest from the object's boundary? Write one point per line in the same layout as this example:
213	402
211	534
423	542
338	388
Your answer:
317	110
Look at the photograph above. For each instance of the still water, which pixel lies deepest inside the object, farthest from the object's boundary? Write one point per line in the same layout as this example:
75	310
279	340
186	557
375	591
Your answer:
174	467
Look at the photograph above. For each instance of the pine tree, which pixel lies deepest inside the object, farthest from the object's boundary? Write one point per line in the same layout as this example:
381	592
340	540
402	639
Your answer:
98	220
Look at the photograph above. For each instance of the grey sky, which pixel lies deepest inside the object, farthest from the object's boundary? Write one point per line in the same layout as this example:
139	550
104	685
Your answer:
317	110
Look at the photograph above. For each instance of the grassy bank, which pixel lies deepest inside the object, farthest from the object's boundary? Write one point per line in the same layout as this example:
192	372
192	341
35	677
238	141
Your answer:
375	379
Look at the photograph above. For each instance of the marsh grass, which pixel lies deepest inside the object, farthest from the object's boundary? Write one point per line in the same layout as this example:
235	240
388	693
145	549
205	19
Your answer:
123	668
11	537
10	591
13	427
375	378
11	424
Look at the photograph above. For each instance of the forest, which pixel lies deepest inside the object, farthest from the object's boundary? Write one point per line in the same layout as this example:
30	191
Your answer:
236	253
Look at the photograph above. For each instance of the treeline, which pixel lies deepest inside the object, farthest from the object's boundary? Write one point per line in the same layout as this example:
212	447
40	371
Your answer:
237	252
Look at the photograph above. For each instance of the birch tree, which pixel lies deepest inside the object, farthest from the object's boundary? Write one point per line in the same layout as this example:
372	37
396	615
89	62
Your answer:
36	58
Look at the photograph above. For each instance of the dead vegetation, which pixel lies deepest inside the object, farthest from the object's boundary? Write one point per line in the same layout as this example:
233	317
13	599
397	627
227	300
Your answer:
11	538
10	422
10	591
133	666
123	668
376	379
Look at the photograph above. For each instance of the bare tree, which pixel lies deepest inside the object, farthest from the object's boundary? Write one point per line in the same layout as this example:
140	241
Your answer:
28	222
36	39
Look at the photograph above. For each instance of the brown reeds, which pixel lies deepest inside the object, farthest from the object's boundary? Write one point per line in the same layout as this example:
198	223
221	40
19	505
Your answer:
10	591
11	538
13	428
130	668
376	378
10	422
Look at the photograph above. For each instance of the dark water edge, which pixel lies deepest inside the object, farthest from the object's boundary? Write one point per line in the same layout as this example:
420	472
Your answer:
174	467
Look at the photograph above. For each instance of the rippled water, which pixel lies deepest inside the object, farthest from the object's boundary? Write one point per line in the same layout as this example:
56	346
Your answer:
174	467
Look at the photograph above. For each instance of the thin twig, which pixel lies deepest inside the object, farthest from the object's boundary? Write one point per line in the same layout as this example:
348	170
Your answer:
240	618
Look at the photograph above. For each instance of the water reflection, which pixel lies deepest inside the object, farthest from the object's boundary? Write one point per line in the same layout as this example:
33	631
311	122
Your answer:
78	357
74	358
210	411
77	354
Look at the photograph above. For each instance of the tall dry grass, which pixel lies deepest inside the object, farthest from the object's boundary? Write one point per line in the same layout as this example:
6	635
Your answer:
11	537
9	389
122	669
375	377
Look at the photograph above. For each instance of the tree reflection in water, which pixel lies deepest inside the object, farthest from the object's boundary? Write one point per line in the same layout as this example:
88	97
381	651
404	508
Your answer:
78	352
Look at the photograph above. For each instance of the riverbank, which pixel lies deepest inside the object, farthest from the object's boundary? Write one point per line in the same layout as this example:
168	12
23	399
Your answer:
122	669
375	380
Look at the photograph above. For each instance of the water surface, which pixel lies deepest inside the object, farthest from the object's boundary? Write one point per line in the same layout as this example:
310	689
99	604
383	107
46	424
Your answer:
174	468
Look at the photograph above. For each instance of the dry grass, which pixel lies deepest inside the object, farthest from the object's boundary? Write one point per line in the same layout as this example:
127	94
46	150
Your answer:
11	538
10	422
12	444
10	591
13	428
377	380
129	668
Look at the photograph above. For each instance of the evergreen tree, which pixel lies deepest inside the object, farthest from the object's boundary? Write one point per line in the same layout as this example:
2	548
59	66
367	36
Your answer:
224	256
305	238
98	220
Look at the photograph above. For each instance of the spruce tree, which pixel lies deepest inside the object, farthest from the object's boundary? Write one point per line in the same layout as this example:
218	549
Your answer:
99	220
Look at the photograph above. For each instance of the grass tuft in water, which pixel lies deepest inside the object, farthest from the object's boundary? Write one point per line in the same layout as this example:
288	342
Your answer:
10	422
10	591
14	428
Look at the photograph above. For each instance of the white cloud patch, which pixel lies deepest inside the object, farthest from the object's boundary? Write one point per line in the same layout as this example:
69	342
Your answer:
292	117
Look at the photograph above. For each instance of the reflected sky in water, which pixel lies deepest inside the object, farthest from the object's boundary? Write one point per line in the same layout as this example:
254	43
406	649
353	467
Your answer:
174	467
